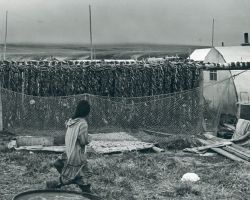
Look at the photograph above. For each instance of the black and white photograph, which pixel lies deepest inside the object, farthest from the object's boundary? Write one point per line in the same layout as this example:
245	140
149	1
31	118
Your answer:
124	100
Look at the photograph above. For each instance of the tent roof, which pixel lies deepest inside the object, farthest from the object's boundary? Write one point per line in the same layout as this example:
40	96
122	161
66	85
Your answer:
235	53
230	53
199	54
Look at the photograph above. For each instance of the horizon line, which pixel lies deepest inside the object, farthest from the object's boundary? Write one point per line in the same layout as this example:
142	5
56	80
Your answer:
99	44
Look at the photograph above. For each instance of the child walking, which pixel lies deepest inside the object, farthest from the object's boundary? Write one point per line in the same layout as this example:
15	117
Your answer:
72	165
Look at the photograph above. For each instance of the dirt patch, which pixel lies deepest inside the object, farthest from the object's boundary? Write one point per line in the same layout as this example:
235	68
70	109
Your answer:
179	142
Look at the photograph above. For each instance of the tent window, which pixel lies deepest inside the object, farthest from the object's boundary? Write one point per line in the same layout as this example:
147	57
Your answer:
213	75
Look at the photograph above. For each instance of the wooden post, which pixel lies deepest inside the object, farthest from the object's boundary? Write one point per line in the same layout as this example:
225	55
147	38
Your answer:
23	82
213	34
9	80
22	106
201	101
1	108
5	37
90	33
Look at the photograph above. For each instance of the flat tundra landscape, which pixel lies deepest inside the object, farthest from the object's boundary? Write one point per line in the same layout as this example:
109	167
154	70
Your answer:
80	52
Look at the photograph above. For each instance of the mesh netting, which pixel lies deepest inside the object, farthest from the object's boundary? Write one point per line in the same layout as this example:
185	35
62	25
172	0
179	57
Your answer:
220	104
175	113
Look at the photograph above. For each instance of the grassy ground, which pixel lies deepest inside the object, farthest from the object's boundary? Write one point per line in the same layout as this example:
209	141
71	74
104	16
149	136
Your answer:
134	175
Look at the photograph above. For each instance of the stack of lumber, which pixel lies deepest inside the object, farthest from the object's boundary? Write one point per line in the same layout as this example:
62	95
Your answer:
224	147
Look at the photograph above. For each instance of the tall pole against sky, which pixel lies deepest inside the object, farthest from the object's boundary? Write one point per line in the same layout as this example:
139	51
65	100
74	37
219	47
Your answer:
213	33
90	32
5	38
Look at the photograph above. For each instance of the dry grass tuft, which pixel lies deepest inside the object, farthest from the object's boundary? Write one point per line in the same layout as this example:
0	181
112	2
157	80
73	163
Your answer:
186	188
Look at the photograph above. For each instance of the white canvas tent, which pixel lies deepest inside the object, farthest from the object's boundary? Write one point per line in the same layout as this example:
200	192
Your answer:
222	54
220	93
199	54
241	84
238	89
235	53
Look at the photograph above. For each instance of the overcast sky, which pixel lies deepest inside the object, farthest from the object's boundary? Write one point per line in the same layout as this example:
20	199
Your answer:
126	21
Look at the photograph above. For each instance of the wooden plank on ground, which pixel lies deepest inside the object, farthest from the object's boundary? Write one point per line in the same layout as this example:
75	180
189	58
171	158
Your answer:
102	143
114	136
222	152
238	151
156	132
206	147
157	149
106	147
216	139
103	147
56	149
241	148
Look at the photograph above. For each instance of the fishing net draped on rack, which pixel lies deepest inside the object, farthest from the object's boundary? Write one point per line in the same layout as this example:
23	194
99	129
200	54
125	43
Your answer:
176	113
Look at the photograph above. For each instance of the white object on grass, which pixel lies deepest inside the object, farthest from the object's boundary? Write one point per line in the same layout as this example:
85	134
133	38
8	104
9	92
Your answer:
32	101
191	177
